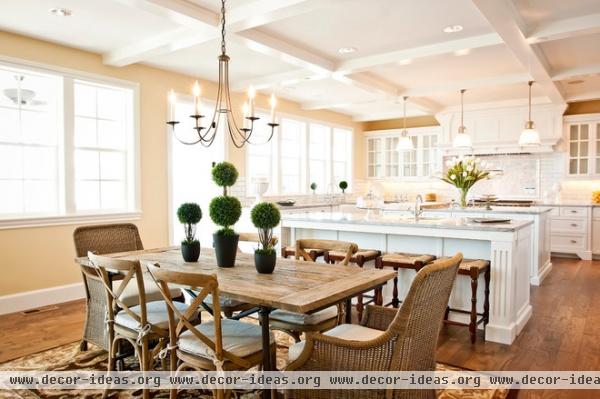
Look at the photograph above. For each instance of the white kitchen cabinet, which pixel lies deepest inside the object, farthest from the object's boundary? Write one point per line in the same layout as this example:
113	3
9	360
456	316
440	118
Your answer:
582	140
596	231
383	161
571	231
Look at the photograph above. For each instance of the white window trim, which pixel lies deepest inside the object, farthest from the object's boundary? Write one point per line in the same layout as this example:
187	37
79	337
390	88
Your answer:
8	222
304	164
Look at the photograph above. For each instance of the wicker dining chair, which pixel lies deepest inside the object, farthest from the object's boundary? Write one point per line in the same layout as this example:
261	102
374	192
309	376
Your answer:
101	239
387	340
295	324
139	325
217	345
106	239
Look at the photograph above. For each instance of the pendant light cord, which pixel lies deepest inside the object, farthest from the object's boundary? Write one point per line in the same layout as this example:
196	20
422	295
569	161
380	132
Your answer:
223	49
530	84
405	98
462	109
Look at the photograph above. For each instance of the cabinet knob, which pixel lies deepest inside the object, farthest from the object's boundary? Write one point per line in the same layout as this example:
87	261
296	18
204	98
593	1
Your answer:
573	242
573	224
572	211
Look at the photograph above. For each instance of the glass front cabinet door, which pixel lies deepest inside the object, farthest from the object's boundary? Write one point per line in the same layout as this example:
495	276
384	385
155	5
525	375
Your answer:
582	139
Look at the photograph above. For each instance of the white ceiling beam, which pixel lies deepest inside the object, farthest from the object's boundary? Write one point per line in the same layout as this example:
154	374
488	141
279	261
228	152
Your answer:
576	72
506	21
585	96
371	61
277	79
284	51
565	28
205	24
493	81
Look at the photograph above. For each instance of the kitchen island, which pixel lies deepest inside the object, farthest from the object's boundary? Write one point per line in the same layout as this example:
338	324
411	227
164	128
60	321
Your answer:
506	245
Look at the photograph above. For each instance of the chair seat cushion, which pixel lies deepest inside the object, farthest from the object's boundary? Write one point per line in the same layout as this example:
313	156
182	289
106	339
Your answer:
224	302
366	253
408	259
130	296
305	319
156	313
467	264
349	332
239	338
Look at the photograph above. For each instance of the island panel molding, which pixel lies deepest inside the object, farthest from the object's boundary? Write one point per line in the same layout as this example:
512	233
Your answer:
507	246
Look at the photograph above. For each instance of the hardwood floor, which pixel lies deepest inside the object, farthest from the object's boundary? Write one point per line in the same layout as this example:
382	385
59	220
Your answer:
563	333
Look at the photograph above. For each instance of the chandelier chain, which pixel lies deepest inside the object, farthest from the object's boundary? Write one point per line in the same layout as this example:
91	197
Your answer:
223	48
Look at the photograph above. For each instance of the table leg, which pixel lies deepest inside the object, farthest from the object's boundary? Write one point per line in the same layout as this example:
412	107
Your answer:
263	317
349	311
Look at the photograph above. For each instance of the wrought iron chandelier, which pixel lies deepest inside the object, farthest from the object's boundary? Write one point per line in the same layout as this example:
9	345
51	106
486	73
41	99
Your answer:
223	110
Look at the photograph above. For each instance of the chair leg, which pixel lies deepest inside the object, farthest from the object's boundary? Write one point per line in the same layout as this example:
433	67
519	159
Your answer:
473	324
83	345
359	299
486	299
395	300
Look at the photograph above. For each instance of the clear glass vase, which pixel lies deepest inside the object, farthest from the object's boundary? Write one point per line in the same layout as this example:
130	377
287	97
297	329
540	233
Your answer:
463	197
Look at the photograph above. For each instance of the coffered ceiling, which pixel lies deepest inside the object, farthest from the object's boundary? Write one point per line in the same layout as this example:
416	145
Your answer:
397	48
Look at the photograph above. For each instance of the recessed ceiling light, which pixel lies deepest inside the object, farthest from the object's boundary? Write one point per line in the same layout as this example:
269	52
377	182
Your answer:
452	28
464	51
576	82
347	50
61	12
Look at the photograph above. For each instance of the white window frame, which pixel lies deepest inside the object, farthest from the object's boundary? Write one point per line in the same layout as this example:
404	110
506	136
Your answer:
304	169
67	214
382	135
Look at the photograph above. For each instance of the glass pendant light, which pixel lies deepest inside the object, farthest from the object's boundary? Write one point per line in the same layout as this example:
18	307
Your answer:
405	143
529	137
463	139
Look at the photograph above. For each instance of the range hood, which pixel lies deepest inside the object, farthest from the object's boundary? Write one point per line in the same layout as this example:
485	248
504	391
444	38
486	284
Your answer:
496	131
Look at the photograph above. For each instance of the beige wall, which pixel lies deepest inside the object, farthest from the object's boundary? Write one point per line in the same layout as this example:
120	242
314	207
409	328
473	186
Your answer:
583	107
398	123
42	257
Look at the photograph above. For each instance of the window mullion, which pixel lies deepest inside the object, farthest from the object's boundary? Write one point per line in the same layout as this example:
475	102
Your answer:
68	145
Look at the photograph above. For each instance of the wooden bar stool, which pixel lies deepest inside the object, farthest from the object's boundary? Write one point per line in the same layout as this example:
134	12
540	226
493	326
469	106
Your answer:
290	251
359	258
399	260
473	268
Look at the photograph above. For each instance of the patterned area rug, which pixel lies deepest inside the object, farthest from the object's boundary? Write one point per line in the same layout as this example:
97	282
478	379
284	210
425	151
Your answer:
69	357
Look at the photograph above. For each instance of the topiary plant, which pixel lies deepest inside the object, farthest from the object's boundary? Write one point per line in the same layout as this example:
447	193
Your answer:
189	214
225	175
343	186
265	216
225	212
313	187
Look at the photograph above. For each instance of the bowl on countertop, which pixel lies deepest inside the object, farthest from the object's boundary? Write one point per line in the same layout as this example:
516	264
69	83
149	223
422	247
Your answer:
286	203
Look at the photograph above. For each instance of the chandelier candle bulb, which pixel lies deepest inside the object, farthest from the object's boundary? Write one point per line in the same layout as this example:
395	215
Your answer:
251	95
273	103
196	90
172	100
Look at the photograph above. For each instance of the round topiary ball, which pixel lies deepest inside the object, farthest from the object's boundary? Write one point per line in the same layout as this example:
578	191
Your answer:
224	174
225	211
265	215
189	213
343	185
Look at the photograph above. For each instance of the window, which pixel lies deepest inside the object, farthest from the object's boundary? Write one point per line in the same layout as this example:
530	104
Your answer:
260	155
291	135
300	153
67	145
29	143
318	156
342	154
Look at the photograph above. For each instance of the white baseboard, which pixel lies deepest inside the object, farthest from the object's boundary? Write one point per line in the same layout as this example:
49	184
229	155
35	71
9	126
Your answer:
38	298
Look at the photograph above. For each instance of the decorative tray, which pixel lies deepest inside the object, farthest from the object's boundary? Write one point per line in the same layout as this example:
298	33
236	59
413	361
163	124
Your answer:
488	220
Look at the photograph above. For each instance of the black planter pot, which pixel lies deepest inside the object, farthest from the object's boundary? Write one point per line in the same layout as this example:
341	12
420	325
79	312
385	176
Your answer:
226	249
190	251
265	263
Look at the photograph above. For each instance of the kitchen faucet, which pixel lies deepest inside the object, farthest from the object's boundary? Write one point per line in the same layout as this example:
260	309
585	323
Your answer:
418	210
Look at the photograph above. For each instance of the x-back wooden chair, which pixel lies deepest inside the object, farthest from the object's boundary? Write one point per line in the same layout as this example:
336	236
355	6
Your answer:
295	324
220	344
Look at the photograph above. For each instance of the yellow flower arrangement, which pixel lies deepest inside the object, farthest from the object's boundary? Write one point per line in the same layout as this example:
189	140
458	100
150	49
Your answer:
463	172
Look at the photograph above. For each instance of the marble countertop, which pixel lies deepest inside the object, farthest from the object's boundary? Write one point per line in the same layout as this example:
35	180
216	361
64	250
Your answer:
562	204
525	210
455	223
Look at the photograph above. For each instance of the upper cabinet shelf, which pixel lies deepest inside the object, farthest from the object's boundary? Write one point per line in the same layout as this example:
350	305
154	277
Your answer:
582	141
383	161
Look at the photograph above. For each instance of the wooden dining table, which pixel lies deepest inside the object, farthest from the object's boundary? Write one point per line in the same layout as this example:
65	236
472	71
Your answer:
295	285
